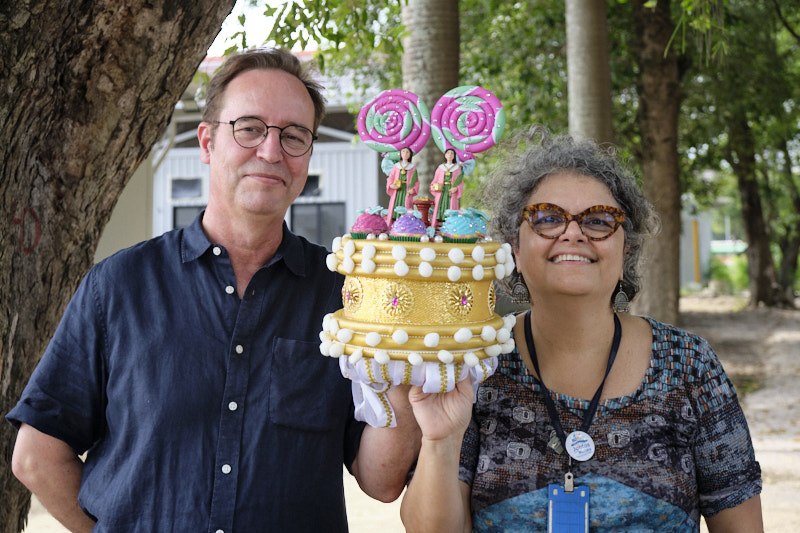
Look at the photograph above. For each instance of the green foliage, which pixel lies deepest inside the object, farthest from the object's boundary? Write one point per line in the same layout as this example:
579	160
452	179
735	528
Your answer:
730	272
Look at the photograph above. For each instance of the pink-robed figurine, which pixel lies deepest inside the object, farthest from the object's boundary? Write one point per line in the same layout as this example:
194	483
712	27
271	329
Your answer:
402	185
447	185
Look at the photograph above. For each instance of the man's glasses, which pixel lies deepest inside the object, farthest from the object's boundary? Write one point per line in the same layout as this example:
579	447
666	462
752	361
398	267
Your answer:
249	132
599	222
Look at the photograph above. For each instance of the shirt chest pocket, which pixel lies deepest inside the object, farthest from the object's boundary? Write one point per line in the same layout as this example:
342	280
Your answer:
306	390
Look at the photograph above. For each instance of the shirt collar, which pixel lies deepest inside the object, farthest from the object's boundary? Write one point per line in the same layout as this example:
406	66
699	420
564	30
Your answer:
195	243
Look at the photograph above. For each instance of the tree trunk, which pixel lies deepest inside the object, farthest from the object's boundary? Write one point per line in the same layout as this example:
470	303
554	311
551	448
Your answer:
430	65
588	71
88	87
659	104
790	243
760	266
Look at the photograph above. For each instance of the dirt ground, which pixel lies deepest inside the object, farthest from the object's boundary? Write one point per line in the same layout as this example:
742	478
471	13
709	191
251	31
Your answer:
760	350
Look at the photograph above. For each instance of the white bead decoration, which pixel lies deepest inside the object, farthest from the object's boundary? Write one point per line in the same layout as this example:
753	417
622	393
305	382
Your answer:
331	262
368	266
336	245
356	356
503	335
488	333
368	252
333	326
445	357
337	349
399	252
462	335
438	238
509	321
499	271
344	335
493	350
427	254
400	336
415	359
349	248
325	347
326	320
478	253
477	272
431	340
383	237
508	346
471	359
454	273
424	238
425	269
500	255
401	269
348	265
382	357
373	338
456	255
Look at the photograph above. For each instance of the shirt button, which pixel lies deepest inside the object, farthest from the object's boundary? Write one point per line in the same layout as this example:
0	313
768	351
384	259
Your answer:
229	289
226	469
233	406
239	348
217	250
219	531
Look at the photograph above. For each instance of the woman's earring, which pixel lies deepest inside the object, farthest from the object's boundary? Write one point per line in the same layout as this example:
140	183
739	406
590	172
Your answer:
621	302
519	291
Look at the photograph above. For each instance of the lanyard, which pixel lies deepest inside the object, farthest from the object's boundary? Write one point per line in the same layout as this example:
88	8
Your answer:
548	401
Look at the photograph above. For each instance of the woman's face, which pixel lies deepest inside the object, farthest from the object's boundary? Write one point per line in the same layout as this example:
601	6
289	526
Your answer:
449	156
570	265
405	154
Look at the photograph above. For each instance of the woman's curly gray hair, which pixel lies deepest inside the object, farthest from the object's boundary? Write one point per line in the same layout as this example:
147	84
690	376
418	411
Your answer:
538	155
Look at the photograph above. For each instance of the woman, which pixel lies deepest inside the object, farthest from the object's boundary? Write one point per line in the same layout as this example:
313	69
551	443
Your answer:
665	441
402	185
447	186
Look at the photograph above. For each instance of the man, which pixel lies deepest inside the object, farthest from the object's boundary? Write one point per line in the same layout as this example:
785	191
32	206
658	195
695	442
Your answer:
188	366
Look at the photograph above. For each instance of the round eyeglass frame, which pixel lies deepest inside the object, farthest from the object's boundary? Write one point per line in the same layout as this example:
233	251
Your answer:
266	134
616	213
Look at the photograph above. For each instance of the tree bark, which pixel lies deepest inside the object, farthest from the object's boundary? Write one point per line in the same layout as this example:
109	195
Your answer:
430	65
659	104
790	242
588	71
88	87
760	266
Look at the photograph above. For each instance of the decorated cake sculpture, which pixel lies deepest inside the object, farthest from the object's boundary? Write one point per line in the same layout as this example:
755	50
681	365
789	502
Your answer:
398	124
418	302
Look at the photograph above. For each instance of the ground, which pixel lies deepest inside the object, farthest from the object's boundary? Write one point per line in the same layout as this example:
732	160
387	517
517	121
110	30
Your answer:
760	350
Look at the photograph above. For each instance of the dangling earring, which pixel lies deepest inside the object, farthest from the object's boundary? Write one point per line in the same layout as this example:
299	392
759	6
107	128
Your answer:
621	302
519	291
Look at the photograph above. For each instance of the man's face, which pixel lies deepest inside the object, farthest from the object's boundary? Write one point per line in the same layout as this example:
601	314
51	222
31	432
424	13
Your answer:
265	180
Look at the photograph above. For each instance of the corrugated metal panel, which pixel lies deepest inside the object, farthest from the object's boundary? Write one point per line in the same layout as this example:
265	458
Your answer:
348	173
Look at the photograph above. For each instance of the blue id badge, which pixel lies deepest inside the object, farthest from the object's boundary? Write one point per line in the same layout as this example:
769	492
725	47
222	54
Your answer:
567	512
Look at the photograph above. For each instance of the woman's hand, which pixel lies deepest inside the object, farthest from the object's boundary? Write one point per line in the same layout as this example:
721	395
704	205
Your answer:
443	415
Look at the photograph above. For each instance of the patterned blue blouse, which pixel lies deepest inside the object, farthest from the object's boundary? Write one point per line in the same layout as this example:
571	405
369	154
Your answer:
677	447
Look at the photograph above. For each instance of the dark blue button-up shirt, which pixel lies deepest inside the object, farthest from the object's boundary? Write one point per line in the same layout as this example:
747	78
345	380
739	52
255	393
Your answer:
200	411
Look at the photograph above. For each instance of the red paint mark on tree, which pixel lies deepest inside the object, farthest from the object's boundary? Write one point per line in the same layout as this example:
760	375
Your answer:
28	238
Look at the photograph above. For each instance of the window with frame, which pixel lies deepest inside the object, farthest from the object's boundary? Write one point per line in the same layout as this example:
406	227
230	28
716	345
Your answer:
320	223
